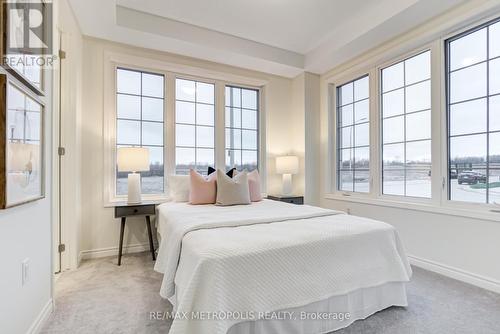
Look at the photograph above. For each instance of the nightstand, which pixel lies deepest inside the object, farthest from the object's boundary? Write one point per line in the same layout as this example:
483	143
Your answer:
124	210
288	199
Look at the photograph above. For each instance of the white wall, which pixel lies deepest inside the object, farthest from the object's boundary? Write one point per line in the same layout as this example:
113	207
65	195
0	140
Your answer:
312	117
466	248
26	233
304	119
296	123
100	231
463	248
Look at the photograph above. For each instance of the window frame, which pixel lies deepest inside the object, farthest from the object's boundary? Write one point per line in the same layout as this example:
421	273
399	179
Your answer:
332	182
338	135
374	70
446	41
171	71
178	76
435	109
258	130
439	202
380	118
117	66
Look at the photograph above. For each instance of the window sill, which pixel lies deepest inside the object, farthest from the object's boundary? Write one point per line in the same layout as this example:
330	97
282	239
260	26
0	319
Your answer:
493	214
112	202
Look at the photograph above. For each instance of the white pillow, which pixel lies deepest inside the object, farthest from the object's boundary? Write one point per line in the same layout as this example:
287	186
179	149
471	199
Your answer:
232	191
179	188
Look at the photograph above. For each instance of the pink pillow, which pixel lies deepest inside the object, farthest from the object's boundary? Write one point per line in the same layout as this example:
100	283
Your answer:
203	190
254	186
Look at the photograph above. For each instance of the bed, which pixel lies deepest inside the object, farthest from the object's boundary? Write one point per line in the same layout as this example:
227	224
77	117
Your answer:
273	267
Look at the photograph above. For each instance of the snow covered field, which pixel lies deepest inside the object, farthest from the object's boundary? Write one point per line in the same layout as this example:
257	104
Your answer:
422	188
416	188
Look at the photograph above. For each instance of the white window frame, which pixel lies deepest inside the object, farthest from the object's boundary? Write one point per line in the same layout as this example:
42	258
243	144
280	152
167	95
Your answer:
374	71
142	70
432	48
171	71
333	124
447	192
260	115
447	202
216	112
439	201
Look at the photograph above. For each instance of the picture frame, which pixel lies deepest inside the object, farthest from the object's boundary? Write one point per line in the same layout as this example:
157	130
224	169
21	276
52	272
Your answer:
22	170
21	63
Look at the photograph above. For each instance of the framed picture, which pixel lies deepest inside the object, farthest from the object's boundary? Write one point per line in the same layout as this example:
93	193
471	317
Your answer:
22	59
21	145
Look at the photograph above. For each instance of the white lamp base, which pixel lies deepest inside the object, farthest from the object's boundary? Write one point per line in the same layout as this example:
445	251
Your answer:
287	184
134	188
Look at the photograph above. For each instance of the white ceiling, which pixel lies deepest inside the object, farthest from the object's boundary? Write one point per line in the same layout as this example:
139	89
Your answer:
294	25
284	37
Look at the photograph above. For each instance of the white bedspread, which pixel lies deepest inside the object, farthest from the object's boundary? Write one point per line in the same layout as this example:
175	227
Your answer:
268	256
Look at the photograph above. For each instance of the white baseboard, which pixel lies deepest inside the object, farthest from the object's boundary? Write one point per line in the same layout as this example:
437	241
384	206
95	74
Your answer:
79	260
37	325
112	251
455	273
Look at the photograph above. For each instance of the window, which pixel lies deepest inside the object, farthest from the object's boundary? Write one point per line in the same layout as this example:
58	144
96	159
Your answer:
24	131
242	119
26	65
194	126
183	124
473	101
353	136
406	127
139	122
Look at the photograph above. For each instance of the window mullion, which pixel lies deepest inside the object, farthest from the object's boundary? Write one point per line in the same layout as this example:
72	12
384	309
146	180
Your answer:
404	127
438	124
169	136
488	114
375	138
220	131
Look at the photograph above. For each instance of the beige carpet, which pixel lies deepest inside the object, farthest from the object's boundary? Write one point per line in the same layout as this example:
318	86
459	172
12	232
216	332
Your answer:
101	297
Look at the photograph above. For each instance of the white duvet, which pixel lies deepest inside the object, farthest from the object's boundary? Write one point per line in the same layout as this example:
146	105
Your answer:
267	256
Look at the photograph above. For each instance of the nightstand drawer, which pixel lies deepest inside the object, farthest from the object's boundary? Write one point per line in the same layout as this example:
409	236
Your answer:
295	200
288	199
134	210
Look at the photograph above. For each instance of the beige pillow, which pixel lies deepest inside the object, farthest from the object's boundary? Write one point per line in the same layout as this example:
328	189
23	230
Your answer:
232	191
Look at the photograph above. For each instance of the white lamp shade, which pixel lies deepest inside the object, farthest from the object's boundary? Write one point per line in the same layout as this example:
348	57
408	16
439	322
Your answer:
23	157
132	159
287	165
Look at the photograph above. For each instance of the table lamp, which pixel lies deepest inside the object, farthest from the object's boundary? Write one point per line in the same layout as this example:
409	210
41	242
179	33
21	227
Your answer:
287	165
23	157
133	159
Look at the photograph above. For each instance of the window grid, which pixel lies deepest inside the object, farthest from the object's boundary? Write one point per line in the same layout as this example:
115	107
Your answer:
25	111
404	88
352	148
33	73
231	150
488	133
121	182
180	169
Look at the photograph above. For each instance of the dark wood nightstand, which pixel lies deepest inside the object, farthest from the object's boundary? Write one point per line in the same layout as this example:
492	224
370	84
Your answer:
124	210
288	199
